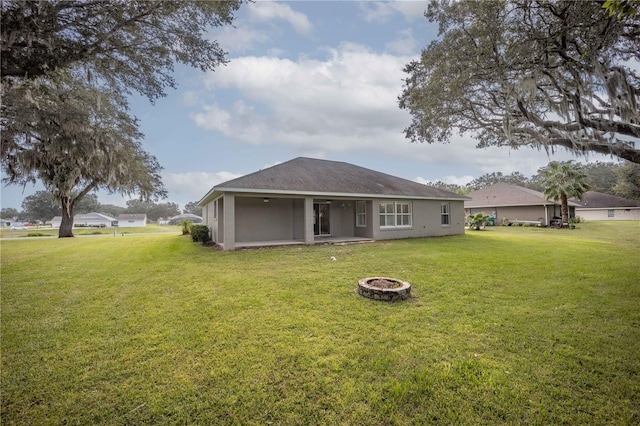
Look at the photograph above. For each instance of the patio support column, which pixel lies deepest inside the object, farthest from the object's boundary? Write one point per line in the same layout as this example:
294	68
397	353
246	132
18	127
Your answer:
546	216
229	222
308	220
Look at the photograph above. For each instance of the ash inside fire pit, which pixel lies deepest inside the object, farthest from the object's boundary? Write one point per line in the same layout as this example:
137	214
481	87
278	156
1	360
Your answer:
384	283
384	288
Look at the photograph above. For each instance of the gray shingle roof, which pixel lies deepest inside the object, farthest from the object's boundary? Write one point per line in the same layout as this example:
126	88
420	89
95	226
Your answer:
312	176
504	194
93	216
593	199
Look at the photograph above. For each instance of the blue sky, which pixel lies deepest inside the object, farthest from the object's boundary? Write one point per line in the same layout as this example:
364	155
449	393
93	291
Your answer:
306	78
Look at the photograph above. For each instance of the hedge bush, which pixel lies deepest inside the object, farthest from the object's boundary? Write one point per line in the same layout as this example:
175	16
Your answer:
200	234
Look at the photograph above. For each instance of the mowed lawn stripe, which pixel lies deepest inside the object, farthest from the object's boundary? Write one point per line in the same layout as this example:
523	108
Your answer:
506	325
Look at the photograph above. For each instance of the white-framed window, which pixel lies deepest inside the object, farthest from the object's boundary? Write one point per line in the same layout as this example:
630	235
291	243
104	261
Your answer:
395	214
611	213
361	214
403	214
445	214
215	209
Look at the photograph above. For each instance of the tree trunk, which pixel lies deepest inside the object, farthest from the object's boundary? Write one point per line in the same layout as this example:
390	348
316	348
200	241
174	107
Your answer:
66	226
564	202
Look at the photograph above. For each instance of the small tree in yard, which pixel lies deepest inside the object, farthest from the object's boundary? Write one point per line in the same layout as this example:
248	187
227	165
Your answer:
477	221
186	226
563	180
75	139
66	69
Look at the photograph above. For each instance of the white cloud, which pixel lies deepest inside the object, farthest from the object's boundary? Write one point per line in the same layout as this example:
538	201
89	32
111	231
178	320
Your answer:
213	118
240	39
383	11
190	98
404	44
267	11
345	103
261	24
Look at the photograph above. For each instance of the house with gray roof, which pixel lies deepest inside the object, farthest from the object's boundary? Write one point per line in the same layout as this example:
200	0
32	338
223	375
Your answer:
508	203
87	220
175	220
600	206
131	220
308	201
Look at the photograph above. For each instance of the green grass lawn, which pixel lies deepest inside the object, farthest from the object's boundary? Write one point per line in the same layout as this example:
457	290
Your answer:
505	326
47	231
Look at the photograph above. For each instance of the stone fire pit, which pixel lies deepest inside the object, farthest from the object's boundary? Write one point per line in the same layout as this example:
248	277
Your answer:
384	288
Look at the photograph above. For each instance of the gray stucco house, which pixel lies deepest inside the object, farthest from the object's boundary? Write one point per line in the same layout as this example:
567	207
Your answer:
307	201
512	203
598	206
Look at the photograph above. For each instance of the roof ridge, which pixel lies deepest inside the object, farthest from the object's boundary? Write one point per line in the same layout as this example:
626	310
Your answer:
322	176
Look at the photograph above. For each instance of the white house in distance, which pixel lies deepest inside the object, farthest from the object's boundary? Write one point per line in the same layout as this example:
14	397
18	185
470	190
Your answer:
87	220
129	220
599	206
308	201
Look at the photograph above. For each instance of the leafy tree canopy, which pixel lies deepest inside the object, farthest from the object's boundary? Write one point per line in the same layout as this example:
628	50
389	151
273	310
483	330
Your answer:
129	45
66	69
154	211
75	139
628	181
529	73
40	206
488	179
601	176
9	213
192	208
112	210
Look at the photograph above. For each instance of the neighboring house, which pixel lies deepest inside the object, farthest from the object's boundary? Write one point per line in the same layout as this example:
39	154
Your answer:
600	206
512	203
128	220
175	220
5	223
87	220
306	201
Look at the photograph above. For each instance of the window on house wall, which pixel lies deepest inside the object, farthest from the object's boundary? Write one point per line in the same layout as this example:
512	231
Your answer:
395	215
215	209
403	214
611	213
361	214
387	215
445	214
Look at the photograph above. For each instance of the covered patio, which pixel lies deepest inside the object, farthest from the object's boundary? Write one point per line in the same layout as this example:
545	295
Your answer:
272	220
317	240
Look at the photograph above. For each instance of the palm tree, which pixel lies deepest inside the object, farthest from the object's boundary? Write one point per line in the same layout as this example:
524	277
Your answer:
563	180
